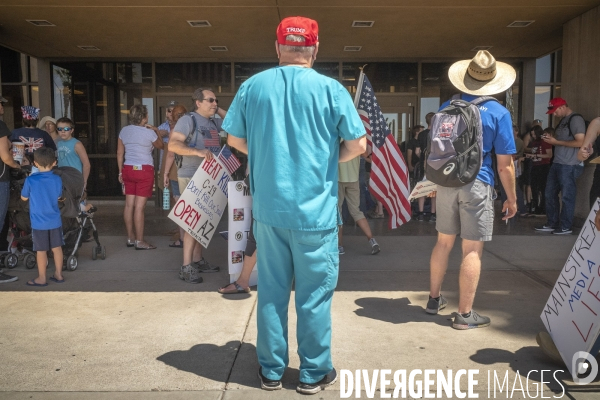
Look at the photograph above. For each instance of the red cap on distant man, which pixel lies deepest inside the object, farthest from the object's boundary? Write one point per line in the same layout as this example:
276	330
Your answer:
555	103
301	26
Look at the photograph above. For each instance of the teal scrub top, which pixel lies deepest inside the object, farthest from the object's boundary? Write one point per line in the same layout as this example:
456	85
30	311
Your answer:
293	118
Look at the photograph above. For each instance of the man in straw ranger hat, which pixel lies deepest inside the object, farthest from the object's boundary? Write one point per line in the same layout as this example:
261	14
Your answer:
468	210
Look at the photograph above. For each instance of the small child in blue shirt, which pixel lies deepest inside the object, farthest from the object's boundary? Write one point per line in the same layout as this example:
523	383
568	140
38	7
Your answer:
44	190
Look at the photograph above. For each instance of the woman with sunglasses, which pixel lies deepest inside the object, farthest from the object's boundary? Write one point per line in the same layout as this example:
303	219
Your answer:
136	172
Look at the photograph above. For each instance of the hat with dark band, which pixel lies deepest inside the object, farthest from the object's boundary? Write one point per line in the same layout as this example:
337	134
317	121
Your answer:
482	76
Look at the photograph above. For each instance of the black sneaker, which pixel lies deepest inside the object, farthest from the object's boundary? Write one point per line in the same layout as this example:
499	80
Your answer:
434	305
268	384
544	228
560	231
472	320
204	266
420	217
313	388
432	218
7	278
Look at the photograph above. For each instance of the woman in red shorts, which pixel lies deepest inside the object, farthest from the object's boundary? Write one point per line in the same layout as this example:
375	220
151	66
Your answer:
136	172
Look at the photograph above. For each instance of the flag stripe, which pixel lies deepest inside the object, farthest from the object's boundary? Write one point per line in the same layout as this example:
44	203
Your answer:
389	173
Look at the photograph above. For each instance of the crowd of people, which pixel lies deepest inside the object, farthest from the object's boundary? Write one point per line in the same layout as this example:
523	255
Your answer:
299	181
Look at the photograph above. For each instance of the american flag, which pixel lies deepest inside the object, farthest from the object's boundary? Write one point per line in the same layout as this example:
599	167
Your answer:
229	160
211	138
389	174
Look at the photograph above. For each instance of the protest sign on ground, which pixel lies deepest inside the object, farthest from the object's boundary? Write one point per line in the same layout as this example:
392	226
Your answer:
202	202
240	216
572	313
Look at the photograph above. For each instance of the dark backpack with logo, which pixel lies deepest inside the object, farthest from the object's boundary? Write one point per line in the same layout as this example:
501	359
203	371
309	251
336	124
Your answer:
455	147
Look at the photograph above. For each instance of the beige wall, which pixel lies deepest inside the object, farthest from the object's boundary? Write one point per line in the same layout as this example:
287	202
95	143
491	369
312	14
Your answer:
581	83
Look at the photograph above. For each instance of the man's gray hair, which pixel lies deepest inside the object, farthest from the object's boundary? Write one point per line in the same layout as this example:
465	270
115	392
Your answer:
199	95
298	49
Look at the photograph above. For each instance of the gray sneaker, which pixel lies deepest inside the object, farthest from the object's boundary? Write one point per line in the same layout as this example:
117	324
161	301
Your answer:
7	278
341	250
191	274
435	305
374	246
183	270
204	266
472	321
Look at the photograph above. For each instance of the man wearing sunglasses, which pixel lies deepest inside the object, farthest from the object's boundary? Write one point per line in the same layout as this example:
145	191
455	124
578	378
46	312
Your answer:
194	146
565	169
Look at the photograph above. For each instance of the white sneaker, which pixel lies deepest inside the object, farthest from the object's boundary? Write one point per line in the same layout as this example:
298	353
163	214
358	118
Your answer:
374	246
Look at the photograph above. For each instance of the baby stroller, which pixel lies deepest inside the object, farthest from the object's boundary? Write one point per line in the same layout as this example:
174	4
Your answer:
76	223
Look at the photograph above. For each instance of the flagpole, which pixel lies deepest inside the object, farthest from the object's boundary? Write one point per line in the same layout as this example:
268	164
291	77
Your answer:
359	86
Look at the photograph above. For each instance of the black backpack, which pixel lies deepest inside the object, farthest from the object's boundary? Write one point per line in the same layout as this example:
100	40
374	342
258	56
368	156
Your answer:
188	139
586	122
455	147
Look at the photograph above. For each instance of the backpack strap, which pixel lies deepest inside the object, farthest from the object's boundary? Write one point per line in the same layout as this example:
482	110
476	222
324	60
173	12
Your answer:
188	139
569	123
483	99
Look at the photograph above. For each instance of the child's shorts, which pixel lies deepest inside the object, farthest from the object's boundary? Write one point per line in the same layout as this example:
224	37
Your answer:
47	239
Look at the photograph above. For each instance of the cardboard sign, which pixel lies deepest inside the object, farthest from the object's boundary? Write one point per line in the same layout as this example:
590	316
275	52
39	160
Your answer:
240	217
572	313
202	203
421	189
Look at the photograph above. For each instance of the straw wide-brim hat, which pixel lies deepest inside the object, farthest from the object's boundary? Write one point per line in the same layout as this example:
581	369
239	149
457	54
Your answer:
481	76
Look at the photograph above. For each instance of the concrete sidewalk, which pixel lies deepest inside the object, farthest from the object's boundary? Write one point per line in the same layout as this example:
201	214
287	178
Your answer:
128	328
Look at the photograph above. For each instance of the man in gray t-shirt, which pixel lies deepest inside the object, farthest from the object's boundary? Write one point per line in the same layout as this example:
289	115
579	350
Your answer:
194	146
565	169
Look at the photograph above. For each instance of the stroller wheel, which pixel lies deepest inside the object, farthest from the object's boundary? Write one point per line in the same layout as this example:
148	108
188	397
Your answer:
103	252
11	261
72	263
30	261
94	253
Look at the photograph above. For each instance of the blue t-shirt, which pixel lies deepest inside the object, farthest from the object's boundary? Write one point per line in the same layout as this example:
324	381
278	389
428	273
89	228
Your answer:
67	157
33	138
293	119
497	134
43	190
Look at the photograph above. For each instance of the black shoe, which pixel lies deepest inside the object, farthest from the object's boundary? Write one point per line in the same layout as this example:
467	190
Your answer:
7	278
432	218
313	388
268	384
420	217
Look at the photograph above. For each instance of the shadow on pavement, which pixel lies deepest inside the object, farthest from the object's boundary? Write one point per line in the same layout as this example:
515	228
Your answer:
528	361
395	311
214	362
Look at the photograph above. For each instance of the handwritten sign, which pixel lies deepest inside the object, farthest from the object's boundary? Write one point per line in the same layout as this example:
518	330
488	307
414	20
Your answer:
421	189
202	202
240	216
572	313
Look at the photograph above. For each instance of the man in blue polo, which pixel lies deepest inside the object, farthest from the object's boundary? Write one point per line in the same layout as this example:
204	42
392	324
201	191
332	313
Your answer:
290	119
468	210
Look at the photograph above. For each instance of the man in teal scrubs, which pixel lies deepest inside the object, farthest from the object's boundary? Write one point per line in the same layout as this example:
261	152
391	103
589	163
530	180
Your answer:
289	120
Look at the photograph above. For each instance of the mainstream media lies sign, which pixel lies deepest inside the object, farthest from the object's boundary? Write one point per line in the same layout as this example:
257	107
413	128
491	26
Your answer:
572	313
202	202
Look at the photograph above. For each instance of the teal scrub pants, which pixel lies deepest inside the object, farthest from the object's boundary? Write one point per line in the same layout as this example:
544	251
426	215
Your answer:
310	260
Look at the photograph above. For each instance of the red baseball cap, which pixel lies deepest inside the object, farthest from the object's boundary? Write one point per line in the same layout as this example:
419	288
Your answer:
555	103
301	26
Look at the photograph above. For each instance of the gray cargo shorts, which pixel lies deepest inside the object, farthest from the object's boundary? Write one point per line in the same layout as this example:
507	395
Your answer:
467	211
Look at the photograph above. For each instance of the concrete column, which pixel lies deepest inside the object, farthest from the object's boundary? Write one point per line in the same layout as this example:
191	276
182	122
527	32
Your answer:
528	90
45	87
581	85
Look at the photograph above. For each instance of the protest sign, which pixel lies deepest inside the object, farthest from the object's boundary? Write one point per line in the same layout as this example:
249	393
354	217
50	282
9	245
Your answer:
421	189
572	313
202	202
240	217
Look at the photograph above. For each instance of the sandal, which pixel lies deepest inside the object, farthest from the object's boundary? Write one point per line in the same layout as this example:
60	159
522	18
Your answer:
238	289
178	243
130	243
145	246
